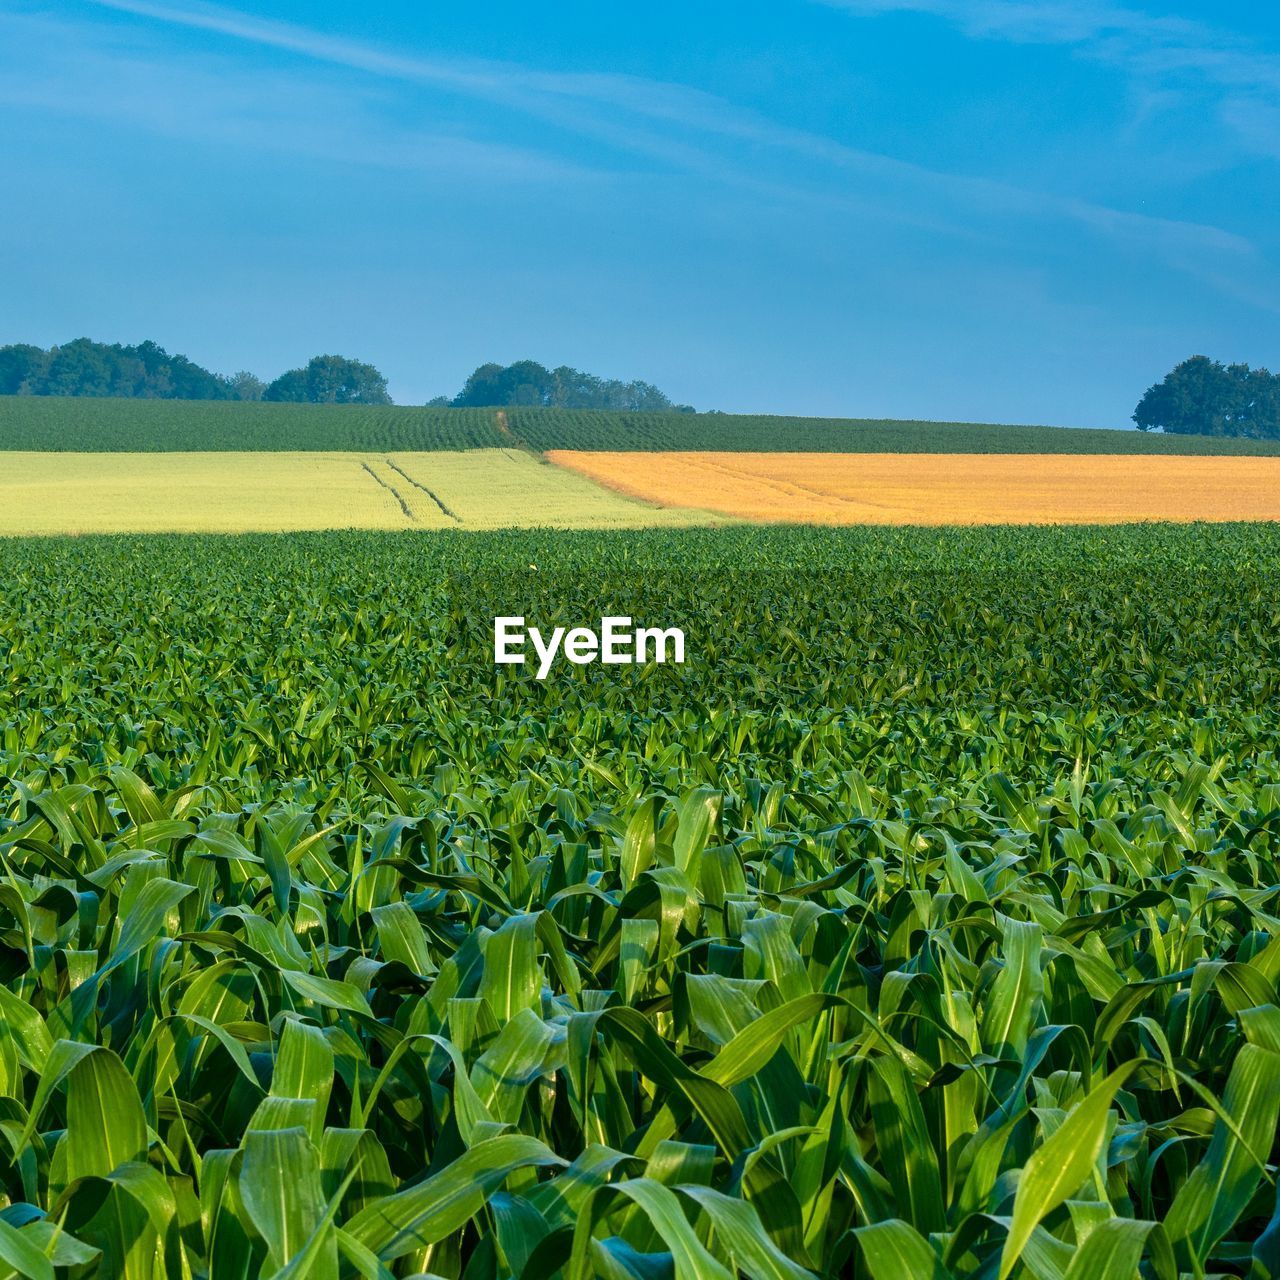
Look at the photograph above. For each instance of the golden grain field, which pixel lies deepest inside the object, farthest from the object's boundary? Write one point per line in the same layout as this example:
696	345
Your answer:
923	488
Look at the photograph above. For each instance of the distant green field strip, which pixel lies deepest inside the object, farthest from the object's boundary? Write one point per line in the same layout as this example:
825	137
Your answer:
241	492
57	424
544	429
39	423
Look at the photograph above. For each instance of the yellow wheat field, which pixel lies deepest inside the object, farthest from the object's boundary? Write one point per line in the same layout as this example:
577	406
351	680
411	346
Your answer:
56	493
934	488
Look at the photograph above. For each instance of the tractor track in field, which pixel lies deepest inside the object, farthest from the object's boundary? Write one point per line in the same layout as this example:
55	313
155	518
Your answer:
395	493
453	515
789	488
503	426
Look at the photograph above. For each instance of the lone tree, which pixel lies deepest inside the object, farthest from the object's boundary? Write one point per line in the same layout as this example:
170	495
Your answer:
1204	397
330	380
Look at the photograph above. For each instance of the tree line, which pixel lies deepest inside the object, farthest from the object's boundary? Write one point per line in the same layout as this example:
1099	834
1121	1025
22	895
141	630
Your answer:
526	382
1204	397
1199	397
147	371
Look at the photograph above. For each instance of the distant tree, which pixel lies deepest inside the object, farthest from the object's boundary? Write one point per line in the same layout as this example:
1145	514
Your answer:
157	380
644	397
290	387
1205	397
481	388
439	402
337	380
246	386
1265	401
572	389
79	368
86	368
22	369
529	383
331	380
525	382
190	382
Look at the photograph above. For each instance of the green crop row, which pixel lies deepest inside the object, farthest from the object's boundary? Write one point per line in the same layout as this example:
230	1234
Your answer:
544	429
56	424
86	424
922	925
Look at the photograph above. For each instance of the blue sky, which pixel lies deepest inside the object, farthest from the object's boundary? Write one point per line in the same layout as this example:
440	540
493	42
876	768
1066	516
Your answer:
972	209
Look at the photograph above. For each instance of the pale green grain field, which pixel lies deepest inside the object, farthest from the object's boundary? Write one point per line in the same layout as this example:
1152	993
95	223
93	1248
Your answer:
48	493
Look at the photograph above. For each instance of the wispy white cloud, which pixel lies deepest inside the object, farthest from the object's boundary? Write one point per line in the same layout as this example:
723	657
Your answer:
302	106
85	73
1044	21
506	83
1166	53
692	130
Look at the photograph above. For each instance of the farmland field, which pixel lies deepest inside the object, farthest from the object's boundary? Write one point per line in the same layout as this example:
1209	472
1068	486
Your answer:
923	924
944	488
48	493
87	425
91	425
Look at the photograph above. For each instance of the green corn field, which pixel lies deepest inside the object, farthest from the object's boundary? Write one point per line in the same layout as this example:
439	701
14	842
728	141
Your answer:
87	424
924	924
